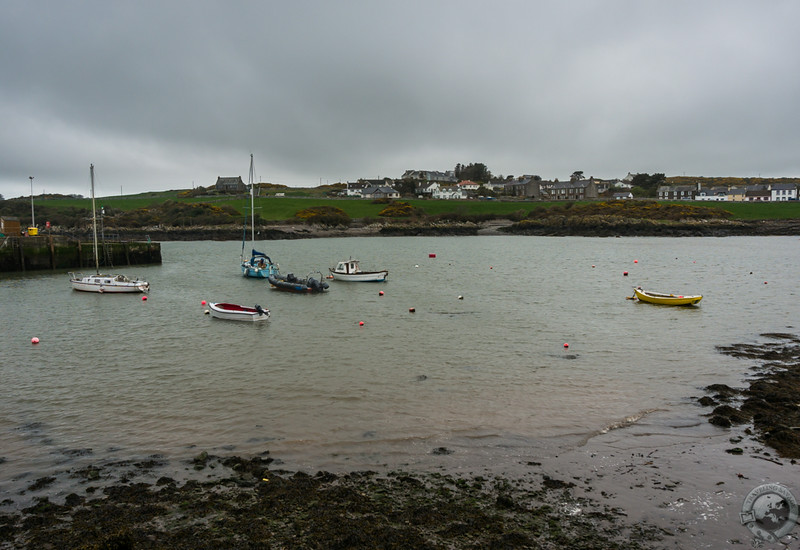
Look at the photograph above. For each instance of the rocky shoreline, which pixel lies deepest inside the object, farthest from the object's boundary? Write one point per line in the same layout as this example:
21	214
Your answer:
640	486
561	226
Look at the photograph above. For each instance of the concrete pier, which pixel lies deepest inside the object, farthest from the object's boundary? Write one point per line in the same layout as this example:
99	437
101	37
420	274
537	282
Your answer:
58	252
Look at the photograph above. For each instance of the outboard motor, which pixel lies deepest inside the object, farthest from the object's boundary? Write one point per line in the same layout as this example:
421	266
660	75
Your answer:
261	310
313	284
291	278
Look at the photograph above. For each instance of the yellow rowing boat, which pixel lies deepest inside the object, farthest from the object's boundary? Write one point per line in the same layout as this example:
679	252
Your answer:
666	299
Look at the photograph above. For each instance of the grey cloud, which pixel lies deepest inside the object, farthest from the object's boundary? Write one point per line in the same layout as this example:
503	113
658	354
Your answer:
170	94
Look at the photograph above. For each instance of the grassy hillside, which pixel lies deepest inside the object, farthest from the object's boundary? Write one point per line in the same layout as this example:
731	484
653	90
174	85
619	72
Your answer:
70	211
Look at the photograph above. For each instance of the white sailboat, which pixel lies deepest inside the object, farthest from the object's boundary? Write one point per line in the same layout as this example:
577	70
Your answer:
259	265
99	282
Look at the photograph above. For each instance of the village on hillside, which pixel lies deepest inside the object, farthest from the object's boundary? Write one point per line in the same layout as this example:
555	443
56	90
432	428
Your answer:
447	185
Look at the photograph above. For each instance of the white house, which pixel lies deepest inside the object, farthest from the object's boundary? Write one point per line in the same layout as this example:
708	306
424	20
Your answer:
783	192
711	194
354	188
382	192
426	190
430	176
449	192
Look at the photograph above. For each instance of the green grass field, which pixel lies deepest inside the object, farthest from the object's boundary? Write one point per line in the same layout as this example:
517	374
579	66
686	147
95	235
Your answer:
273	208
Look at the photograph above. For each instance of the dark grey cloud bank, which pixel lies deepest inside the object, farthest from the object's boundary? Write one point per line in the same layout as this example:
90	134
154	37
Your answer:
167	95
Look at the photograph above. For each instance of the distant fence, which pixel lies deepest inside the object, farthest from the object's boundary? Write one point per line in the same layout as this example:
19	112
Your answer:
59	252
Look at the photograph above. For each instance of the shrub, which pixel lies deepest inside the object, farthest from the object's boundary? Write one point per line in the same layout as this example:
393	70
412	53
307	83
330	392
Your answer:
397	210
328	216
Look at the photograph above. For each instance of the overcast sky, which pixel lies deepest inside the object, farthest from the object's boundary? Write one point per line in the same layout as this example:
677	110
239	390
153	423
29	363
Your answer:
170	94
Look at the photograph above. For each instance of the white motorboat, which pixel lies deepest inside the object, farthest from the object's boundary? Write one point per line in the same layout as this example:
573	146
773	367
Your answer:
349	270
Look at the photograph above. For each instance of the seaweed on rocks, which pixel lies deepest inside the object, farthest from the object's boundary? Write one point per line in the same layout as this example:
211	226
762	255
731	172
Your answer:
770	402
254	507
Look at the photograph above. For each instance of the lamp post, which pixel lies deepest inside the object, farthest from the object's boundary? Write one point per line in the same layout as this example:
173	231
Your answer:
33	221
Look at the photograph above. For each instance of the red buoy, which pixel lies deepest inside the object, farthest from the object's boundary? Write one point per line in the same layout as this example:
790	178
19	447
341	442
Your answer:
361	323
625	273
636	261
144	298
34	340
380	293
431	255
566	345
412	310
203	303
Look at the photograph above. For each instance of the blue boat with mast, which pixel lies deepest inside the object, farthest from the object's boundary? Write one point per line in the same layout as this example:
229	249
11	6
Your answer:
259	265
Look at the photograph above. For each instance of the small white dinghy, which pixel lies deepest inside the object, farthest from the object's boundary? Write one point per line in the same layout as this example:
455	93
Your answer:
235	312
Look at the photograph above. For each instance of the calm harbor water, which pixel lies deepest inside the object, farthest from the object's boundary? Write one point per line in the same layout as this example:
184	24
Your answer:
485	376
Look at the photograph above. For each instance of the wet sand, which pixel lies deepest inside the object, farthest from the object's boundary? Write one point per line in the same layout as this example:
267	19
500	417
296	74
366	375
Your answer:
658	482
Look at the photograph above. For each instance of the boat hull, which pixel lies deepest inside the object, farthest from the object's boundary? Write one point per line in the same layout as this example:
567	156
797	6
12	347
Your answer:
236	312
361	277
260	266
299	286
107	284
666	299
255	272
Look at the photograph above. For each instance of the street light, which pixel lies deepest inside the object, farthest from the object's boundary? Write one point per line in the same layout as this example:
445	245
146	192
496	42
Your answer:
33	221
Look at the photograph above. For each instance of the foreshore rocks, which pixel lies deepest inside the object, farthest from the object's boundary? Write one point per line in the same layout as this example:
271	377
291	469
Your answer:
770	402
589	226
609	226
254	507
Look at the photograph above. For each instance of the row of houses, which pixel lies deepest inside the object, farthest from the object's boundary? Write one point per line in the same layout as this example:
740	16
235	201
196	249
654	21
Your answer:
776	192
530	187
444	185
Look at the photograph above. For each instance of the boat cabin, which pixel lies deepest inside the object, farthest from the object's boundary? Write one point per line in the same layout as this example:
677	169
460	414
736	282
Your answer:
349	266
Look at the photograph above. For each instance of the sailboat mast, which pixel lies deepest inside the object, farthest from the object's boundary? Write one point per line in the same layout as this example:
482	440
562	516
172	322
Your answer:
252	204
94	223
